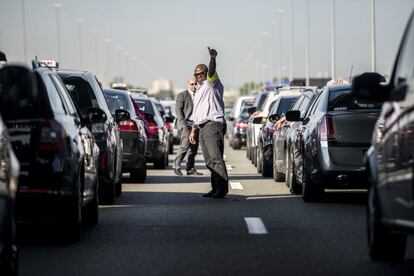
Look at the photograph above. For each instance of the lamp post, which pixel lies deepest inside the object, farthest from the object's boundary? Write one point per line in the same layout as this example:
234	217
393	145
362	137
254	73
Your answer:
108	42
373	39
280	13
307	51
292	41
24	31
96	35
333	60
57	6
80	21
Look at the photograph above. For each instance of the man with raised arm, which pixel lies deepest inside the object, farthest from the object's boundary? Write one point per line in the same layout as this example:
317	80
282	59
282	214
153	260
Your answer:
209	124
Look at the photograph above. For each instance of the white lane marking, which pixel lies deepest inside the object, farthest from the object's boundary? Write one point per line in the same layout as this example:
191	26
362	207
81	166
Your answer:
255	226
236	186
229	167
224	156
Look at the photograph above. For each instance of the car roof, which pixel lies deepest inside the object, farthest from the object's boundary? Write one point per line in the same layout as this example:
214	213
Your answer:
116	91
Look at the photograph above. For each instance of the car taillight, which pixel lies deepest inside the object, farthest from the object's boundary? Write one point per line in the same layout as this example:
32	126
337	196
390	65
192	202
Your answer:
52	137
168	126
101	160
129	125
241	125
326	129
152	129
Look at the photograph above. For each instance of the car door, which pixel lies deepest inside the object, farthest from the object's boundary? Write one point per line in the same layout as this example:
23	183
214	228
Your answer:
399	154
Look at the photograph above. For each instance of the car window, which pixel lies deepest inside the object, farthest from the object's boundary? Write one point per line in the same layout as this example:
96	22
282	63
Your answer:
262	100
144	105
56	102
342	100
297	103
64	93
81	93
314	104
116	101
284	105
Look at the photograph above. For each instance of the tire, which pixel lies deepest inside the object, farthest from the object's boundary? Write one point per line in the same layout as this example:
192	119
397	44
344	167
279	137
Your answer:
277	176
291	181
72	223
161	162
9	257
107	193
118	188
91	211
267	168
171	148
252	154
139	175
259	159
236	146
255	156
311	192
248	153
382	244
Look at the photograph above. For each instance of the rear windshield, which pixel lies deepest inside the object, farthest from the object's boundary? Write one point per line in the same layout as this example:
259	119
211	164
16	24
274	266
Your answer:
16	102
117	101
145	106
342	100
81	93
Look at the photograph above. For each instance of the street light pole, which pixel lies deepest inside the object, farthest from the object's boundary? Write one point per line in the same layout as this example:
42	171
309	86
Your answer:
307	52
96	34
292	41
280	13
333	60
373	39
108	42
80	21
24	31
57	7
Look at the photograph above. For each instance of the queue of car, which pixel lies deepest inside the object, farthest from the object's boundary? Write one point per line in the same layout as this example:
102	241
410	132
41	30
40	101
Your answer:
347	136
64	144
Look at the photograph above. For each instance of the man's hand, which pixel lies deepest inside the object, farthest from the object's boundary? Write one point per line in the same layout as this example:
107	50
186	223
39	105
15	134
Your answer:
212	52
193	136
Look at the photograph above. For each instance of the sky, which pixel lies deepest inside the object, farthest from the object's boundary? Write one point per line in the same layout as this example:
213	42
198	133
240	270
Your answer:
162	39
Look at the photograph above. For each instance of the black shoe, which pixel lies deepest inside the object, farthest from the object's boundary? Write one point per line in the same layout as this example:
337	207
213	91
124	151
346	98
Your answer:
194	172
209	194
219	194
178	172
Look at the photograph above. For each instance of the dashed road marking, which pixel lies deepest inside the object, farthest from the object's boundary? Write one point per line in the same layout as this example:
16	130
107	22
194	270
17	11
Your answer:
236	186
255	226
229	167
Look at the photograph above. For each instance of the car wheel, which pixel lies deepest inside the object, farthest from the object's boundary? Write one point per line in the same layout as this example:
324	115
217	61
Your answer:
171	148
383	245
9	255
91	211
236	145
118	187
72	222
311	191
139	175
160	163
277	176
248	153
107	192
267	168
294	186
259	160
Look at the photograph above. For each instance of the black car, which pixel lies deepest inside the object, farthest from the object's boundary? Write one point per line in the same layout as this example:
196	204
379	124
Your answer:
390	159
282	137
9	174
133	135
86	93
265	143
328	148
157	133
57	153
169	124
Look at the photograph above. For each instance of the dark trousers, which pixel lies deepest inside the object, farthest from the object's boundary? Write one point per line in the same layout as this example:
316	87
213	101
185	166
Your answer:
212	144
186	146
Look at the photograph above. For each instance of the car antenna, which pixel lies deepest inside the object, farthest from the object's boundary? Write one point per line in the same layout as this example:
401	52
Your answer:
350	75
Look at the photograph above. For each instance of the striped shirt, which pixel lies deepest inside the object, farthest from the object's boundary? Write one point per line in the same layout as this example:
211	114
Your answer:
208	102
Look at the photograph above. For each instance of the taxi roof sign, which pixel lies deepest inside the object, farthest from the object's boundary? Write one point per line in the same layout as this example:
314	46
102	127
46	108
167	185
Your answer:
49	63
337	81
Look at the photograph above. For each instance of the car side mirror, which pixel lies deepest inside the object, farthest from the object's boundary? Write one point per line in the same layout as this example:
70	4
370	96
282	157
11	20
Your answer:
293	116
95	116
18	91
169	119
258	120
252	110
370	86
121	115
274	118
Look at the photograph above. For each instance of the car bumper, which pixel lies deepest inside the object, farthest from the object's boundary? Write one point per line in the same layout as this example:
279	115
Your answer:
134	150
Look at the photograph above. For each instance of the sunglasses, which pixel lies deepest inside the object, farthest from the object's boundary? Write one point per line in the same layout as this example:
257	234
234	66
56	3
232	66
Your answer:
192	84
201	74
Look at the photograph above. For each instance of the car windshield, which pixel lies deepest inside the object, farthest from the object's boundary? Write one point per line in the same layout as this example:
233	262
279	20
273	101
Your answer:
81	92
116	101
342	100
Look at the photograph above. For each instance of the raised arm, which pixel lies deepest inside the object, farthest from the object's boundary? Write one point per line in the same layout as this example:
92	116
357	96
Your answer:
212	64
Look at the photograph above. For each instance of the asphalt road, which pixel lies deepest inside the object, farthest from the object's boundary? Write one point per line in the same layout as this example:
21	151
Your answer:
165	227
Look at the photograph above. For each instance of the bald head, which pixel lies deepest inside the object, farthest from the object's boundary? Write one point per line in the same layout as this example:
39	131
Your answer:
191	84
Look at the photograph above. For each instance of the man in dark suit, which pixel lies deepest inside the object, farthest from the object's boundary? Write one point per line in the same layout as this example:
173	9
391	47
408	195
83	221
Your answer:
184	109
